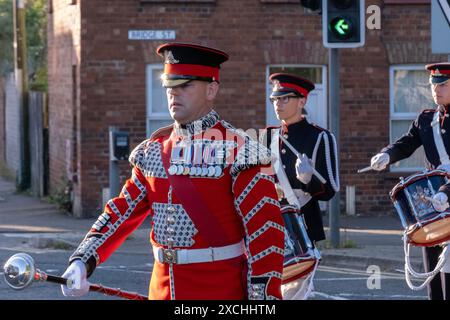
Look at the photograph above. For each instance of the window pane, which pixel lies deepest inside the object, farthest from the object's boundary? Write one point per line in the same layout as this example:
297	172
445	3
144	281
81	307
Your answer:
417	159
154	125
158	94
412	91
313	74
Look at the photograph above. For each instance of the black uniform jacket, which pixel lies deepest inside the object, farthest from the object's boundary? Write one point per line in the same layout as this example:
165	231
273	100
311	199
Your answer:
303	136
420	133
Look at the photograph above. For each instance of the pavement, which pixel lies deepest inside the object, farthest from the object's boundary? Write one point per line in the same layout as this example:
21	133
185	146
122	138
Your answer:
30	222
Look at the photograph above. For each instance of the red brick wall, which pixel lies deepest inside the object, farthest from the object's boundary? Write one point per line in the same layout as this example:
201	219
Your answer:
113	68
255	34
404	38
63	57
2	121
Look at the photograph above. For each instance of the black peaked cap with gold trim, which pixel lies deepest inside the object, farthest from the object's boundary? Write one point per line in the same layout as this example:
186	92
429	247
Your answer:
184	62
288	84
439	72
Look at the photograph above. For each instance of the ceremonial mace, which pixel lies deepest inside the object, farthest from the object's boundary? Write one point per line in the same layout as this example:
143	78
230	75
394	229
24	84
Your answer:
20	271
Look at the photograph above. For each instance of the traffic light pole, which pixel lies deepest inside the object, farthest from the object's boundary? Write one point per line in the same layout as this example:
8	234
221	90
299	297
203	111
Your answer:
334	120
114	179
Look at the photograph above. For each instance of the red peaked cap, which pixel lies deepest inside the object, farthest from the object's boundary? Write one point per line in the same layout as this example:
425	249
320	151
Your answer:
184	62
288	84
439	72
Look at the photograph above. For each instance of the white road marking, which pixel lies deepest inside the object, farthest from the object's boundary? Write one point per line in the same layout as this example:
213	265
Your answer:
394	296
371	231
383	275
387	275
51	270
122	269
327	296
357	278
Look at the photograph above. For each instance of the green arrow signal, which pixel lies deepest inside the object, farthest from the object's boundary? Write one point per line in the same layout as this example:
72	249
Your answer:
342	27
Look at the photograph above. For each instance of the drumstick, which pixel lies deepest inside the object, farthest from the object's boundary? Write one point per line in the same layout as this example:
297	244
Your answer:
317	174
364	169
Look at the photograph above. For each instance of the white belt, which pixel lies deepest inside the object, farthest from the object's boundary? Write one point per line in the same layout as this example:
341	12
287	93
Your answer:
185	256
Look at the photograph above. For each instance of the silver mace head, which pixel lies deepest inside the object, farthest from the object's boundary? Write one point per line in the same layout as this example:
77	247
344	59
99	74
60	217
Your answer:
19	271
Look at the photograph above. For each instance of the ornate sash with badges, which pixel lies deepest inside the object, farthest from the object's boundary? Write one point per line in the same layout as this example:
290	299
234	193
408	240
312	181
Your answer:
200	158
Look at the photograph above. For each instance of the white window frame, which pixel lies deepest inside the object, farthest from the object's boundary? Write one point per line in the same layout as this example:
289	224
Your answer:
393	116
149	108
323	86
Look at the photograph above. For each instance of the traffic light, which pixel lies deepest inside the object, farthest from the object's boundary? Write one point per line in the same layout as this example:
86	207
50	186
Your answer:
343	23
312	5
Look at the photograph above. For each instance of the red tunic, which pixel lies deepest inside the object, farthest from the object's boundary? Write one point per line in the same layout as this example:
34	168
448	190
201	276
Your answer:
242	199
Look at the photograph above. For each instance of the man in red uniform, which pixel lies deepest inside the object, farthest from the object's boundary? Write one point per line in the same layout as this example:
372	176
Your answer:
217	231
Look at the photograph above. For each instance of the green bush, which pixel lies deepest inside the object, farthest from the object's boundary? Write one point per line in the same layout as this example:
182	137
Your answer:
62	195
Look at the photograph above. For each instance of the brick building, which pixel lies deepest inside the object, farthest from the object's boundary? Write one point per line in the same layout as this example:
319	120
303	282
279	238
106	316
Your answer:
100	77
2	121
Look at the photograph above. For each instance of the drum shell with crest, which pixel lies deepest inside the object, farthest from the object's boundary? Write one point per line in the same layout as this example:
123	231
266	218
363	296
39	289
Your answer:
424	226
300	257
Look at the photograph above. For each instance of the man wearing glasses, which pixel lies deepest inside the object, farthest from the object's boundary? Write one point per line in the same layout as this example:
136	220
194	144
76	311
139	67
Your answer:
307	153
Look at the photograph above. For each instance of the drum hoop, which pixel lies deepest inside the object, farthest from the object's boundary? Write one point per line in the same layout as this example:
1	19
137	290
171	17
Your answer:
416	227
428	221
290	207
300	275
309	255
430	244
403	184
294	260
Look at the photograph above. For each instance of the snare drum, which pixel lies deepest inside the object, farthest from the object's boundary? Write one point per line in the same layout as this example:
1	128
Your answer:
411	197
300	257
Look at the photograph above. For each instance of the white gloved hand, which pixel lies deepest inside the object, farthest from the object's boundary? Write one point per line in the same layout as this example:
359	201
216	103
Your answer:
440	201
77	284
304	169
445	167
379	161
